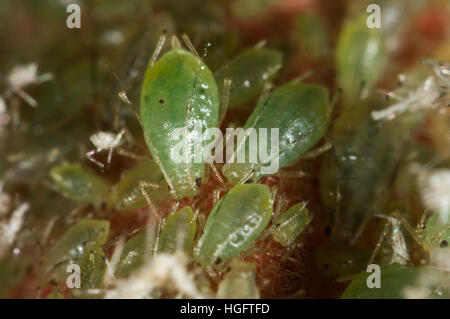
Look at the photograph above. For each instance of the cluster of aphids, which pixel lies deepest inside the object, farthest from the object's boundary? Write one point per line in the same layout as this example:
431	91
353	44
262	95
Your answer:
179	89
213	230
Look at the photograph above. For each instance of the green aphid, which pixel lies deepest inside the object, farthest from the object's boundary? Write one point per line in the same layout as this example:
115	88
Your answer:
234	223
400	282
178	92
300	112
80	184
291	224
93	268
133	254
178	232
239	282
249	72
360	58
77	241
127	194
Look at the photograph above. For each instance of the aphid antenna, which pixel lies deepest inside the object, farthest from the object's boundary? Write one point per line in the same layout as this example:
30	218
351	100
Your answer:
189	44
158	48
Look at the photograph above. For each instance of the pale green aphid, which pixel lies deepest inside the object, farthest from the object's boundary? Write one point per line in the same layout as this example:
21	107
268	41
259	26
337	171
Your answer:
300	111
234	223
291	224
239	282
178	232
127	194
178	91
77	241
80	184
132	255
249	71
360	58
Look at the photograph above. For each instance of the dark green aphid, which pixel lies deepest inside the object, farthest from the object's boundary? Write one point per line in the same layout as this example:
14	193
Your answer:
360	58
291	224
234	223
178	232
80	239
249	71
300	111
80	184
178	91
127	194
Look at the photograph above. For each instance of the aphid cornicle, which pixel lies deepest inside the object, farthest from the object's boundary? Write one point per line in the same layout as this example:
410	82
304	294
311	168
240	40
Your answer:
178	91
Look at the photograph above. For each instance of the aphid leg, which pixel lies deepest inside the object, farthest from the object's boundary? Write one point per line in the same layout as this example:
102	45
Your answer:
90	156
336	98
119	136
159	46
317	151
130	154
216	172
26	97
189	44
304	76
225	101
142	186
216	196
380	241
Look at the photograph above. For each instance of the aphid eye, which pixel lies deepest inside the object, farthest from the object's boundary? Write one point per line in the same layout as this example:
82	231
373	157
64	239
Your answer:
218	261
161	101
198	181
443	244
